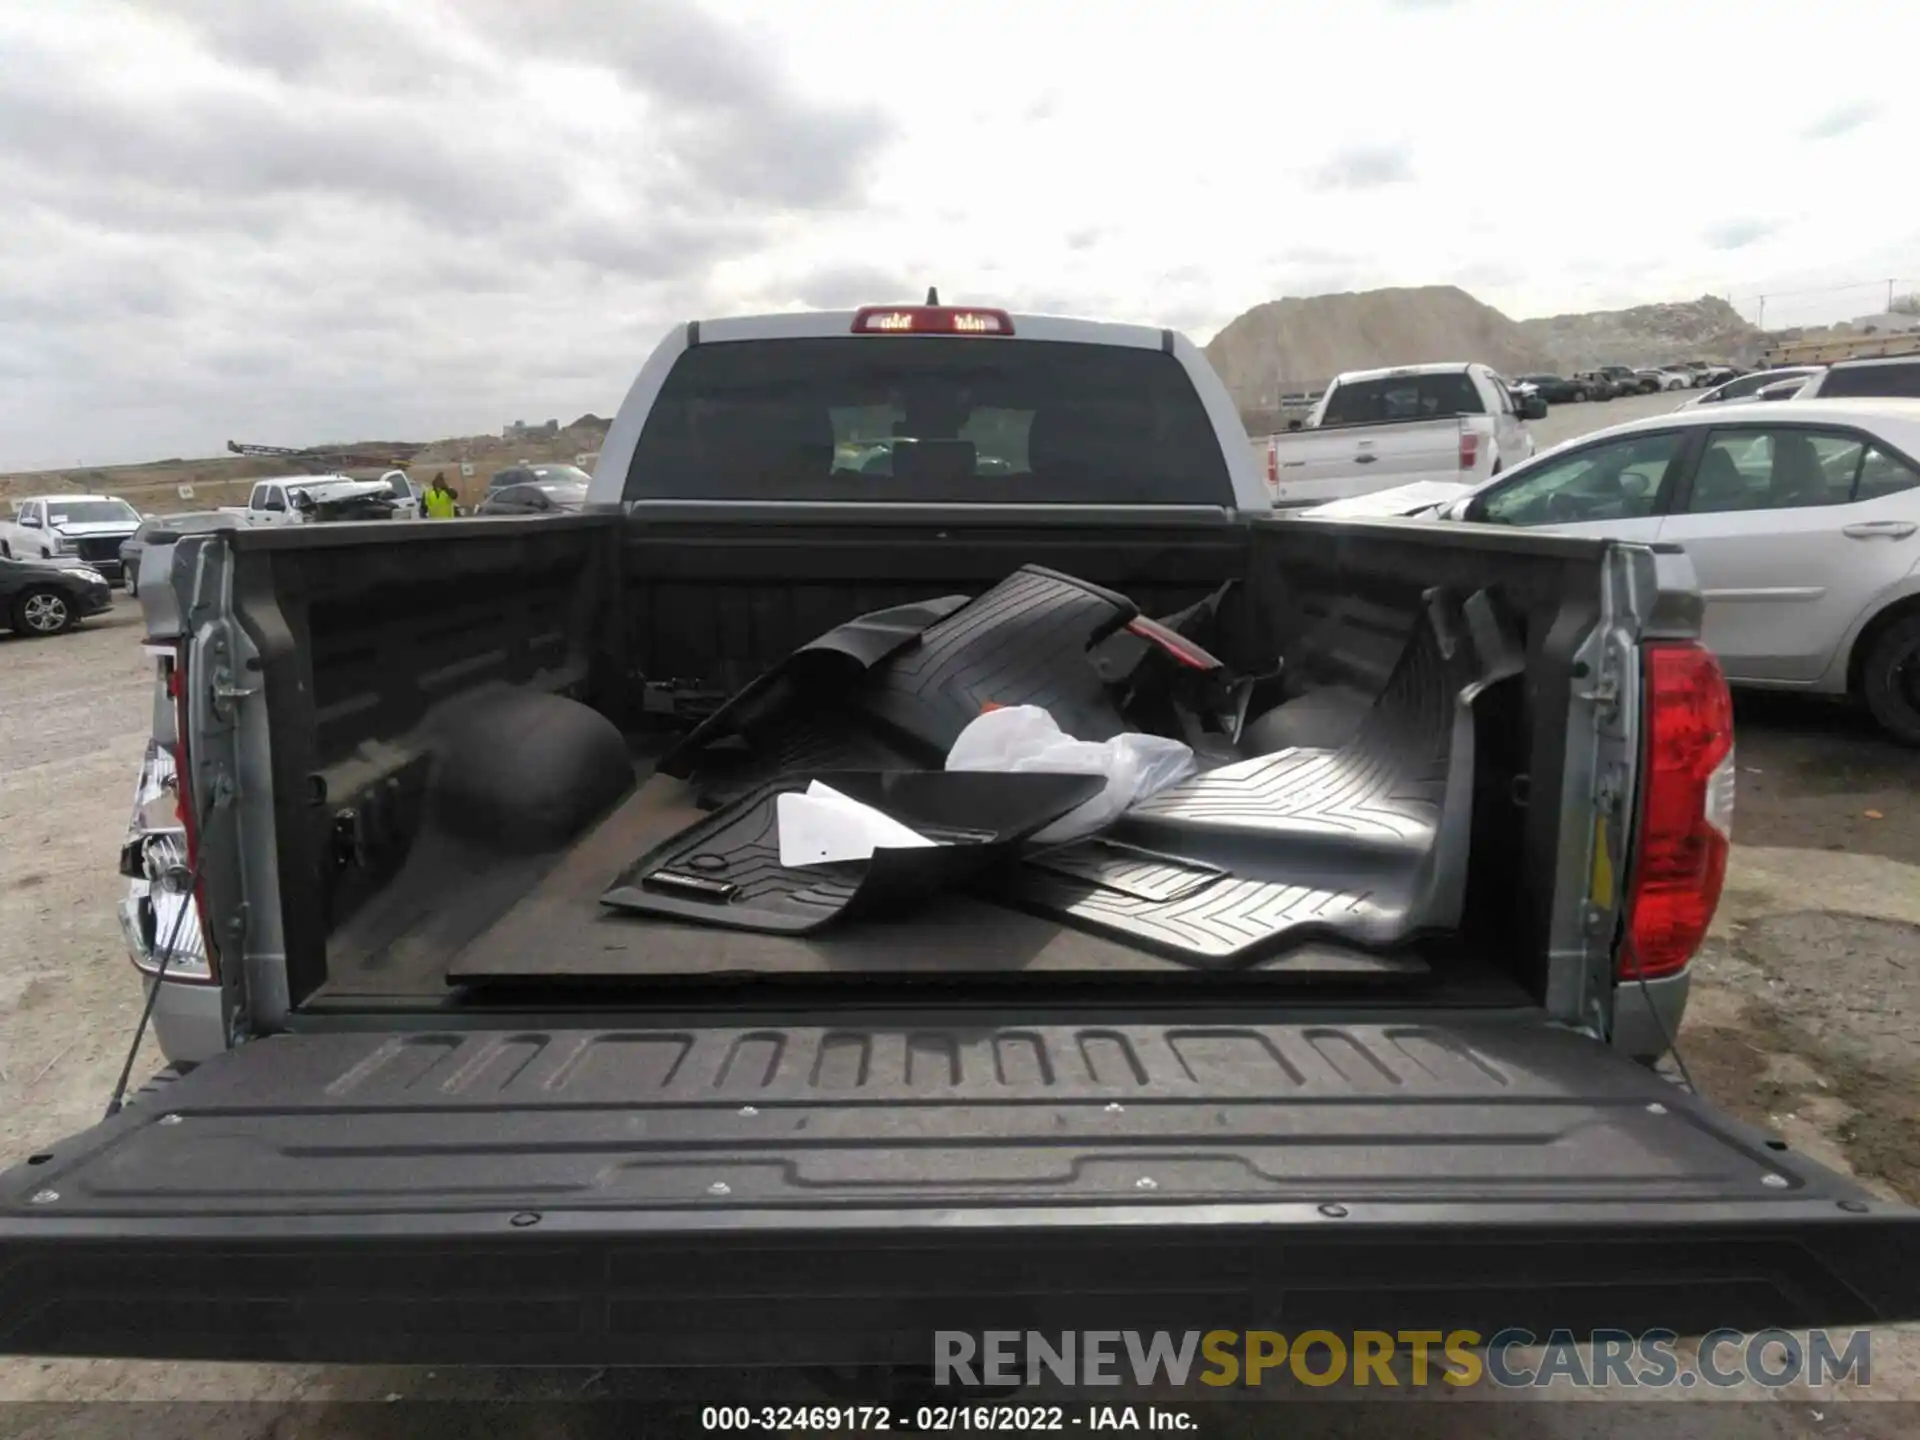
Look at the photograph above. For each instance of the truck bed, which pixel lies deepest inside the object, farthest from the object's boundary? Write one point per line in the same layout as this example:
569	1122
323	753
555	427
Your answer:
364	631
462	916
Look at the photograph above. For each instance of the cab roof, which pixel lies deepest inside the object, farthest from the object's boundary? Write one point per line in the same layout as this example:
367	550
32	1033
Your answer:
823	324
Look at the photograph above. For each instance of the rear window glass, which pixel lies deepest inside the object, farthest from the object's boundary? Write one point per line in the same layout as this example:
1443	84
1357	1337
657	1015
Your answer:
929	420
1873	380
1402	397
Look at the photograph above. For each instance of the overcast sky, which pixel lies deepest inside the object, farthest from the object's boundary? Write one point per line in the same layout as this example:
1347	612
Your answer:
333	219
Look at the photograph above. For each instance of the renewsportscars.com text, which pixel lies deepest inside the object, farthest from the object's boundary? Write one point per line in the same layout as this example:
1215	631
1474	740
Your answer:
1510	1359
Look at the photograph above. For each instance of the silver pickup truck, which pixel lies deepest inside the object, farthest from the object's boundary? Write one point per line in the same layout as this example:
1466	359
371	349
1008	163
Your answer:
502	1030
1375	429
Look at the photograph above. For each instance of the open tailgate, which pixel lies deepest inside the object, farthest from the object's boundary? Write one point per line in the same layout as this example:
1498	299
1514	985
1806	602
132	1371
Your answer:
832	1195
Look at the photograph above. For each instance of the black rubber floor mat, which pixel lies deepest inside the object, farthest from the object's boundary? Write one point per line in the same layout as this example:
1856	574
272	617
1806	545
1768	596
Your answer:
726	869
876	694
837	739
1024	642
1366	843
1128	870
831	665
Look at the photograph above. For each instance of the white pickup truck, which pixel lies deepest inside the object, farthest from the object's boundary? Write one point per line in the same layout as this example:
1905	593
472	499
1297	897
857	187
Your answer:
1367	1010
1375	429
90	528
300	499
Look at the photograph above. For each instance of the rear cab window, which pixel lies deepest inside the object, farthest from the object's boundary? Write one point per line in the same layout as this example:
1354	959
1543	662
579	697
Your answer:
1845	382
929	420
1402	397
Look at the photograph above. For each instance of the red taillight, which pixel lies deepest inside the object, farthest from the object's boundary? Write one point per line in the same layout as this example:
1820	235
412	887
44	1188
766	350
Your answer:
930	320
183	799
1176	646
1686	810
1469	449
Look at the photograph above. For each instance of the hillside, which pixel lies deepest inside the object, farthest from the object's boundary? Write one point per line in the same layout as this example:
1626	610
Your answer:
1293	345
155	487
1704	329
1298	344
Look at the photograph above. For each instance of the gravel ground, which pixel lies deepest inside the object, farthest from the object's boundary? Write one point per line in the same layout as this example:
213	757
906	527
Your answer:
1806	1018
1568	422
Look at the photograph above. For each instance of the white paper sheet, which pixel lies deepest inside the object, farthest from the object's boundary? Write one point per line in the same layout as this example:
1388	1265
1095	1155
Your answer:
823	826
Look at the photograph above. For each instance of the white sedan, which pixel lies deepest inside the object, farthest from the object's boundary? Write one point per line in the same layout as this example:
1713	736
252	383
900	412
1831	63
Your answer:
1802	519
1666	379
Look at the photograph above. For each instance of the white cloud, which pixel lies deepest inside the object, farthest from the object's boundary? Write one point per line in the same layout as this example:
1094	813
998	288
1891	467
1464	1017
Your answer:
418	217
1842	120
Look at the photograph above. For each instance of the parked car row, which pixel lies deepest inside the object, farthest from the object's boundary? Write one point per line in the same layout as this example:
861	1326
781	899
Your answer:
1609	382
62	554
1895	376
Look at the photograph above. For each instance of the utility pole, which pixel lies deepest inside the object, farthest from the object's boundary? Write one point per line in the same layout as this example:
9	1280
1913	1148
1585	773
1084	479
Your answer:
1761	323
1889	309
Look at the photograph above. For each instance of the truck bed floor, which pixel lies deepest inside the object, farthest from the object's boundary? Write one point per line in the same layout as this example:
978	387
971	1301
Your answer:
461	914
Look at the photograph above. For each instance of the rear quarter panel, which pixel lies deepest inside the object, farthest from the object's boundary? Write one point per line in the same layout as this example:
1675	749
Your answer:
1834	680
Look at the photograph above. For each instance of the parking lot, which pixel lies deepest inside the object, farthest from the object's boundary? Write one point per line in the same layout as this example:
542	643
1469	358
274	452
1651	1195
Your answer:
1568	422
1805	1015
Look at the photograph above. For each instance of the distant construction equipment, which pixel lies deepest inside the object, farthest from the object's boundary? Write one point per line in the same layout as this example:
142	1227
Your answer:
1826	349
321	459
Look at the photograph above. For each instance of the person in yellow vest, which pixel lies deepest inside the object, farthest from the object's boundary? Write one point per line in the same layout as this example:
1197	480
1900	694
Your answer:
439	499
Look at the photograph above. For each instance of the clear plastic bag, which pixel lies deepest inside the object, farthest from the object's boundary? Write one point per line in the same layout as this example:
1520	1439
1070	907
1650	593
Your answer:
1025	737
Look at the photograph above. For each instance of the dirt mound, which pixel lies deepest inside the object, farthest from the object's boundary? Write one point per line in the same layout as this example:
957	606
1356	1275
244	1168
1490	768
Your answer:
1294	346
1291	345
488	453
1704	329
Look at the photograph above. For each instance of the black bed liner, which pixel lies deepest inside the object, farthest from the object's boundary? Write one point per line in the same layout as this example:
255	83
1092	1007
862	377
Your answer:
365	629
1364	841
832	1193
